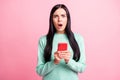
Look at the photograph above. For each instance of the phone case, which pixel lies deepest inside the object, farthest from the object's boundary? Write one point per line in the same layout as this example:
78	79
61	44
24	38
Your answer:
62	46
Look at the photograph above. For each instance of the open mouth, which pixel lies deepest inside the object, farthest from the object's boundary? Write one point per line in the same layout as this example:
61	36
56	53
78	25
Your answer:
60	25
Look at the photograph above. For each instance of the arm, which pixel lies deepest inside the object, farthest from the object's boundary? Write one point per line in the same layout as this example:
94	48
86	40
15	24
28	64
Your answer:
80	65
42	67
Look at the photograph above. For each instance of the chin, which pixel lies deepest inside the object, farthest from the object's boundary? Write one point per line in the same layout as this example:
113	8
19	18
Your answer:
61	30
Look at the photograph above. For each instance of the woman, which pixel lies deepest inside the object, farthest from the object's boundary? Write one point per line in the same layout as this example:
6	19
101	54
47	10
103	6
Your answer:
60	65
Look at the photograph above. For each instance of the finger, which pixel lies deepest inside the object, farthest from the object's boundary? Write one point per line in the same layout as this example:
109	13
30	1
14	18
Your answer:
64	51
60	56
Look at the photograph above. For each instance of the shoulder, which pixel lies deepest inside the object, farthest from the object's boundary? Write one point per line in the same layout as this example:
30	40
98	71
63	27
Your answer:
42	39
78	37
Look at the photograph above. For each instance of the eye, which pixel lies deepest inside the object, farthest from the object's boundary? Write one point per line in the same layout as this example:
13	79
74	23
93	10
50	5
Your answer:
55	16
63	15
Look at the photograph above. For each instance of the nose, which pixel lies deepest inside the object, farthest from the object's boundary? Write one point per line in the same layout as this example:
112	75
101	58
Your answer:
59	19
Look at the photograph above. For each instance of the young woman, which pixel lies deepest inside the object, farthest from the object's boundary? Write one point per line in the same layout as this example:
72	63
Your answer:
54	64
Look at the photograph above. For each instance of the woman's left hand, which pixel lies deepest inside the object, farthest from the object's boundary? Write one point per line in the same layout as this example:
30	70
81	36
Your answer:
65	55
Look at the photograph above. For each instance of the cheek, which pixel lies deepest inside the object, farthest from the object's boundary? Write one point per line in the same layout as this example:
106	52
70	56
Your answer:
54	22
65	21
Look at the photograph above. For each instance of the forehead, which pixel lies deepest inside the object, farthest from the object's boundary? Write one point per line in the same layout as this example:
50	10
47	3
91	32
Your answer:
59	11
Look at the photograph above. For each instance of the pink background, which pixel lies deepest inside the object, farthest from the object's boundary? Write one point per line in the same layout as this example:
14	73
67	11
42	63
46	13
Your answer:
22	22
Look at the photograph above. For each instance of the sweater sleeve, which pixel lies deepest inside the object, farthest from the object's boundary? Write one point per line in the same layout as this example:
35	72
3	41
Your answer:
80	65
43	68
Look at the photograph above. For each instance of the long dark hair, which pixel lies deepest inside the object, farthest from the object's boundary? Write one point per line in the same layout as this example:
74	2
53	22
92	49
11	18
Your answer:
69	33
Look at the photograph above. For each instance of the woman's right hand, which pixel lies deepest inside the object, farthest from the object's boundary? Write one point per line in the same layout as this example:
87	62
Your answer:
57	57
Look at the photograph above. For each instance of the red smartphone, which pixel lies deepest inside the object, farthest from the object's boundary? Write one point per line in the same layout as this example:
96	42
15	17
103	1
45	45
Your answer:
62	46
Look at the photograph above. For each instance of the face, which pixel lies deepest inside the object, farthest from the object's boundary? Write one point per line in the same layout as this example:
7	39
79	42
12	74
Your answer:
60	20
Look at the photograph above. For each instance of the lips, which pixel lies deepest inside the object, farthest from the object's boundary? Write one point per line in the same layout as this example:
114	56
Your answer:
59	24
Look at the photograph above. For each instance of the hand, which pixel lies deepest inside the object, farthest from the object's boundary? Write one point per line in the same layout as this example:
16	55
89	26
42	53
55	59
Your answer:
65	55
57	56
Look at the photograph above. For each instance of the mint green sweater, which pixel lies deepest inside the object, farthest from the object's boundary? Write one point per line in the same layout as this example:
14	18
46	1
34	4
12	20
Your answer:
61	71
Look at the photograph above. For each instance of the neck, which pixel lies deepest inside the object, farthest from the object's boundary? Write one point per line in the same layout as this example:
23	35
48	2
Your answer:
61	32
